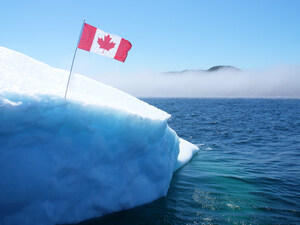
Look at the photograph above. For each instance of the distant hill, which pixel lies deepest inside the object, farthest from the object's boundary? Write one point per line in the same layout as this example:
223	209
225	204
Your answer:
212	69
217	68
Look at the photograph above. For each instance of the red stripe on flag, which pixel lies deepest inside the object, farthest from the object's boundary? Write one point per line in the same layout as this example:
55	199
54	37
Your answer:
87	37
123	49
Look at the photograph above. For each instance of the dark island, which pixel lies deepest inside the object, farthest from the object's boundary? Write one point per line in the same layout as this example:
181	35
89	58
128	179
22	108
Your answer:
212	69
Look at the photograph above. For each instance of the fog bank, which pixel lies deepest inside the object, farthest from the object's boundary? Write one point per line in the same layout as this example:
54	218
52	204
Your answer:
279	82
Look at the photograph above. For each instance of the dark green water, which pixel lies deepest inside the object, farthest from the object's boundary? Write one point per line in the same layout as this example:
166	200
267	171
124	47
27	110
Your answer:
246	172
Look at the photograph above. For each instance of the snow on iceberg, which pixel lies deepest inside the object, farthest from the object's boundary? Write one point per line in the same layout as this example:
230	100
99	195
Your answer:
64	161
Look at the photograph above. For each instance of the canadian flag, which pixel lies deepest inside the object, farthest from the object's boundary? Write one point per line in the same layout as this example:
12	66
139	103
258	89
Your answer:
97	41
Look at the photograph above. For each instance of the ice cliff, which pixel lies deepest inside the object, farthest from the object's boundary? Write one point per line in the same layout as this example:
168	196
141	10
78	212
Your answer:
64	161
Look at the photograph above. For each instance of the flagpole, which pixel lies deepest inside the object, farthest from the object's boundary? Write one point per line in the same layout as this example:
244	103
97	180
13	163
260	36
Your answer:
74	58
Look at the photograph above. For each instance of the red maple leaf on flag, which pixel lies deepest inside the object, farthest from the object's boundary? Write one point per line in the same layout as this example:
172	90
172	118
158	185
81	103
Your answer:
105	43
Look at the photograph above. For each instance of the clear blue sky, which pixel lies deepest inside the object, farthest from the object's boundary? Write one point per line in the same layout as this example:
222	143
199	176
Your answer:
166	35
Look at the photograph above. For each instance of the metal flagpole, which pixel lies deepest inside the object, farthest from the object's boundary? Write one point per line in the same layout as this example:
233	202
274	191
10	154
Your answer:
74	59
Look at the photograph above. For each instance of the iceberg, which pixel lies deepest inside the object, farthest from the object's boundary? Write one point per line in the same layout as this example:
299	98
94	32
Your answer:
66	160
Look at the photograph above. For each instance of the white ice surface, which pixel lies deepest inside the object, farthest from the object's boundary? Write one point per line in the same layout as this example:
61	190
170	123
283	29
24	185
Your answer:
22	74
186	152
64	161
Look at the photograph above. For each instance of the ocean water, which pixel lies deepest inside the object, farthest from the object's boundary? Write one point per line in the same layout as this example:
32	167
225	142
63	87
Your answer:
246	172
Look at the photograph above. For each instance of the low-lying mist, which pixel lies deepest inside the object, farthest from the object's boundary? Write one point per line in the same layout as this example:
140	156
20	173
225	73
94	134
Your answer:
279	82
